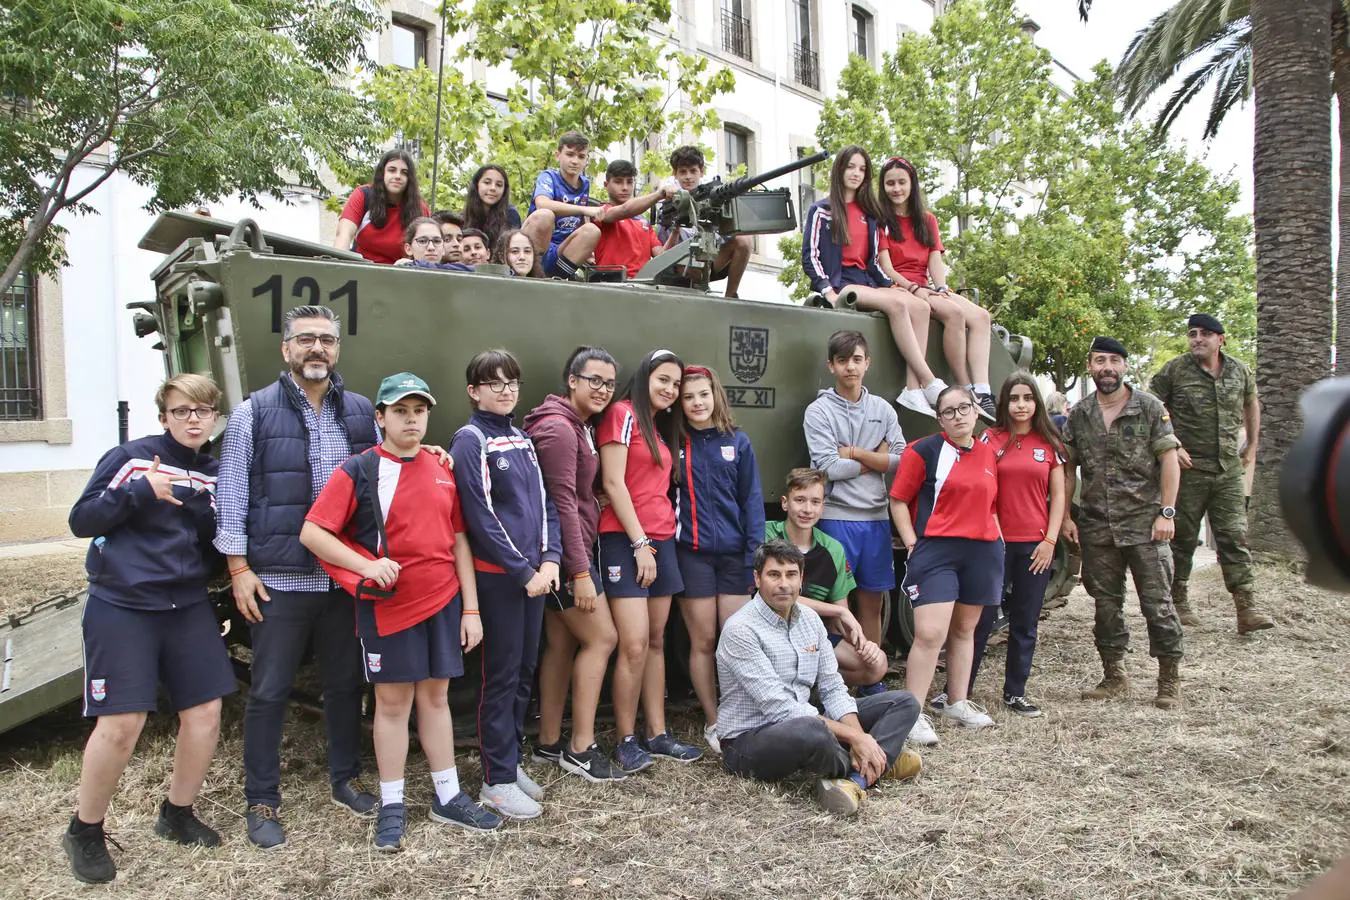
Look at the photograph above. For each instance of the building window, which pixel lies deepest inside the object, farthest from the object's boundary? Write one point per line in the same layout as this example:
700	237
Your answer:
410	45
737	153
736	27
20	393
805	59
806	184
861	32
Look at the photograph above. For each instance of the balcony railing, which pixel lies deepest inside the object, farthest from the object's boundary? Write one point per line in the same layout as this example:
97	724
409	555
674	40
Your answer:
736	34
806	67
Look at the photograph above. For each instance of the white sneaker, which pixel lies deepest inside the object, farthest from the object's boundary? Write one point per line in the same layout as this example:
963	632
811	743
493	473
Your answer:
528	786
922	733
710	738
933	390
509	801
967	715
914	400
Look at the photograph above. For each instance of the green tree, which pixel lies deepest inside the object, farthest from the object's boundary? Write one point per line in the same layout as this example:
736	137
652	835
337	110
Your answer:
194	99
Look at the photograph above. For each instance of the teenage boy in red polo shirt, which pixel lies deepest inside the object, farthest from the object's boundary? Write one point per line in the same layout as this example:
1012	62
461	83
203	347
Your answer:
408	564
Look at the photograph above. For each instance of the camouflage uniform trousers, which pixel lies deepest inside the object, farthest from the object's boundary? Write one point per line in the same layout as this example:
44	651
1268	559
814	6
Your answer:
1221	494
1104	567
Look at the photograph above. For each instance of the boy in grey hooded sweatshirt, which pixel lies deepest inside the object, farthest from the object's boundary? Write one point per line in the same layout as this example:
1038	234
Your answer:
854	436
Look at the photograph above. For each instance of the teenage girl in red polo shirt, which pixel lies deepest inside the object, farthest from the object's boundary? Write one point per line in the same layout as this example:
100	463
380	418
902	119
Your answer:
1030	510
376	215
910	253
943	505
637	549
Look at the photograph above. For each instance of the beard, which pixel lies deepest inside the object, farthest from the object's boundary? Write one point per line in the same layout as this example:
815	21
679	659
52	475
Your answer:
312	369
1106	384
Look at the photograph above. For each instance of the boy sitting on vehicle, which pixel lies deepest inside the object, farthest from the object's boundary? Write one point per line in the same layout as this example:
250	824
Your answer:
734	253
619	236
558	205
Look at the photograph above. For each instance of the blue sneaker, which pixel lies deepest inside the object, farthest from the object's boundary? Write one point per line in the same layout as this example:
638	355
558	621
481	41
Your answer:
462	812
389	828
668	746
870	690
631	757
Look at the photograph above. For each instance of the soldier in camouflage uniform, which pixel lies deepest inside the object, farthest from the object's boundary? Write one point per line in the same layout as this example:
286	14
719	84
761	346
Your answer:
1211	396
1123	440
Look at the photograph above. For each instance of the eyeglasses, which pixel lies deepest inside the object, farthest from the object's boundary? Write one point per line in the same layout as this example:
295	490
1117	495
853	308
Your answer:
599	384
328	341
428	241
953	412
183	413
501	387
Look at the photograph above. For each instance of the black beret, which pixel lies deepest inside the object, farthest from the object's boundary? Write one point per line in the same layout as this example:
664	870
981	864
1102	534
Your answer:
1108	345
1205	321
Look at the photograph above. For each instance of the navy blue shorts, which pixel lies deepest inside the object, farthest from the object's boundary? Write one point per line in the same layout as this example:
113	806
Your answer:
854	275
867	547
562	599
620	568
710	574
429	649
128	653
549	258
943	570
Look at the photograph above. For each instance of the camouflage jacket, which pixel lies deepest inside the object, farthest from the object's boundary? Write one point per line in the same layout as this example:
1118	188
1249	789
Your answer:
1121	475
1207	412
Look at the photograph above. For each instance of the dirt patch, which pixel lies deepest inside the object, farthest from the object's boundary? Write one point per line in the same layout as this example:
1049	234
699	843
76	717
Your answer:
1240	793
27	579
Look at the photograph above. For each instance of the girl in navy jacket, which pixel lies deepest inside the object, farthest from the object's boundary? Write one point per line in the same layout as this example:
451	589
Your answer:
513	530
839	253
719	525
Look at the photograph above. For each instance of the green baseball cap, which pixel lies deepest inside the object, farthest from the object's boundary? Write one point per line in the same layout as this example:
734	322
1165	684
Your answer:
404	384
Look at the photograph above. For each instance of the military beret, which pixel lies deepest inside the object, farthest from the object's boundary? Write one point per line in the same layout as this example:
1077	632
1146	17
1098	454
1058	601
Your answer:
1105	344
1205	321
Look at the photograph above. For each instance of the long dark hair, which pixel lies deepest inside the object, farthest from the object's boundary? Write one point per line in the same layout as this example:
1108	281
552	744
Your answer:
576	363
504	244
865	198
410	206
918	208
1040	420
638	392
477	214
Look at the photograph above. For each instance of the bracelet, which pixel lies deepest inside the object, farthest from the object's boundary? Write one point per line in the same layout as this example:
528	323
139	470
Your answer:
238	571
647	546
582	576
1047	541
472	612
641	542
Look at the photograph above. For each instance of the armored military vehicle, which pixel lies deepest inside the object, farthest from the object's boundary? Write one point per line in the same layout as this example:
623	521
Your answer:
223	287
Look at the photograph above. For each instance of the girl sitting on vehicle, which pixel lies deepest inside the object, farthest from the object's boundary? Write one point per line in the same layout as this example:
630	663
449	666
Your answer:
637	545
720	513
910	253
839	252
515	250
377	215
487	205
424	244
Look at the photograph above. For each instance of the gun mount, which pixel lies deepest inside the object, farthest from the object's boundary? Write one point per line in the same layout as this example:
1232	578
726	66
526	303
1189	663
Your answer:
715	210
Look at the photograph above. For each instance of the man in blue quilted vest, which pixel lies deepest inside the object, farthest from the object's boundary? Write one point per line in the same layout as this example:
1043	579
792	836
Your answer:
280	447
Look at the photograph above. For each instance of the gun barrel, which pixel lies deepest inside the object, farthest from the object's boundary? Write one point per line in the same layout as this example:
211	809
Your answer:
725	192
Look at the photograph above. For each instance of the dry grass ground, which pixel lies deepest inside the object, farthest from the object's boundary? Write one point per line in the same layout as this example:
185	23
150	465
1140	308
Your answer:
1241	793
27	579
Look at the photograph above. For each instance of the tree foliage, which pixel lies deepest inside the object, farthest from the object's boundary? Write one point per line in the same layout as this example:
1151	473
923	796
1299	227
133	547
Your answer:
194	99
593	66
1069	221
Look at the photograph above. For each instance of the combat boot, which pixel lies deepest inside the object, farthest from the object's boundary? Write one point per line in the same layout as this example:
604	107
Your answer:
1114	684
1250	617
1182	601
1169	683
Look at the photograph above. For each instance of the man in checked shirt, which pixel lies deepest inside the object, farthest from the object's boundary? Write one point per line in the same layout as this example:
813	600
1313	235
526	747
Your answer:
771	654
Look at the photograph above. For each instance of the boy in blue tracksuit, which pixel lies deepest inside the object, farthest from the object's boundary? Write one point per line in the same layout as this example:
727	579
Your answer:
513	530
150	508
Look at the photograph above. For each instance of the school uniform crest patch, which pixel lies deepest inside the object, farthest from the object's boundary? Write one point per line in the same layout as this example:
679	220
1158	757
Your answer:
98	689
729	454
1038	454
614	573
374	661
503	463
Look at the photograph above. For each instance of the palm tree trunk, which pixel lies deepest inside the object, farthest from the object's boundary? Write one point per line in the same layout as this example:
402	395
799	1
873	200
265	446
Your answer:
1291	56
1340	83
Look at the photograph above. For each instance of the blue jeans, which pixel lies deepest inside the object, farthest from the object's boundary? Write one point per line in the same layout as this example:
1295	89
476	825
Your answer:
1022	605
289	623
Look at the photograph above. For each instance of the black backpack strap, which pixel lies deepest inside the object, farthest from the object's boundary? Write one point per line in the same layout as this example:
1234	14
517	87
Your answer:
370	460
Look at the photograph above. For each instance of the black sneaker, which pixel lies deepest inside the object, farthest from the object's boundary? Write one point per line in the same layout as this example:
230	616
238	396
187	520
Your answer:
351	794
462	812
987	408
1022	707
549	753
264	828
87	850
389	827
180	823
667	746
590	764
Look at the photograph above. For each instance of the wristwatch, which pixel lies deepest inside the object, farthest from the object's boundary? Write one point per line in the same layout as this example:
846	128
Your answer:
1167	512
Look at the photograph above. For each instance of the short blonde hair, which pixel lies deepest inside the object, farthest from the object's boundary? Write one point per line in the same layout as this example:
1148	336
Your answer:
197	388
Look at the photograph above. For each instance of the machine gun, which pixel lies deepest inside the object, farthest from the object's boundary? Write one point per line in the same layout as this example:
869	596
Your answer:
721	209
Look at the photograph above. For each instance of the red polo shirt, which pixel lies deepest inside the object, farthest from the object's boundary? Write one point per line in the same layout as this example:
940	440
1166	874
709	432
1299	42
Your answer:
647	479
908	256
1024	467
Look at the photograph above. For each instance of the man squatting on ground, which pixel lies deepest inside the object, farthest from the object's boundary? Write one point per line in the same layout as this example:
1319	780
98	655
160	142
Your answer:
772	654
1123	439
1211	396
150	509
